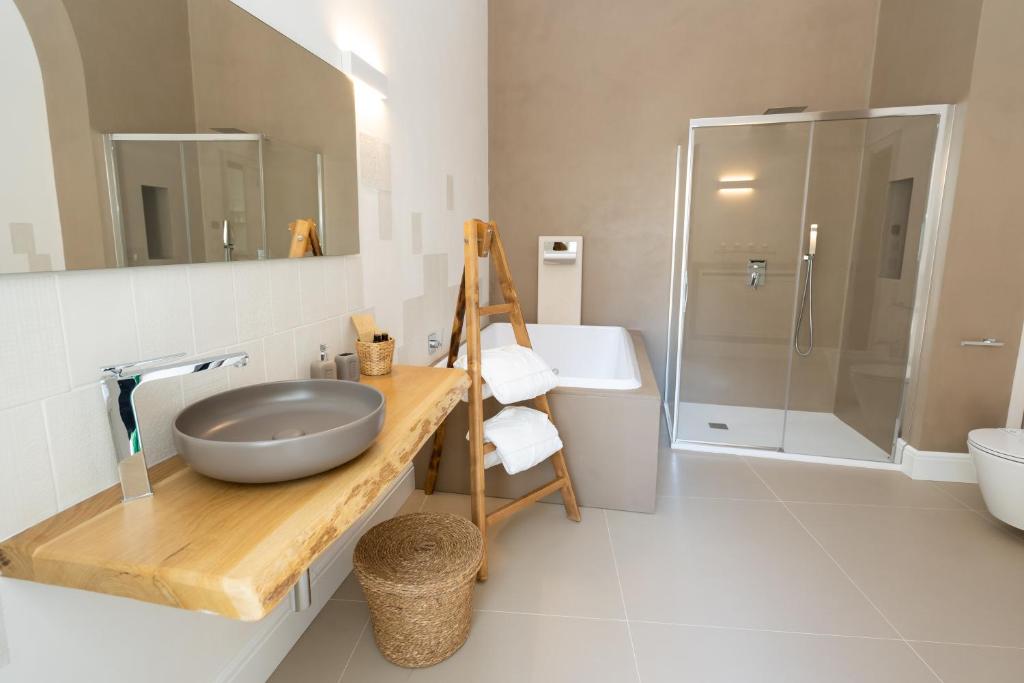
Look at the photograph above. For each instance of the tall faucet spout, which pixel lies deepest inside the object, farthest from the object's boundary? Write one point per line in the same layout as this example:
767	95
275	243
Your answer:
119	385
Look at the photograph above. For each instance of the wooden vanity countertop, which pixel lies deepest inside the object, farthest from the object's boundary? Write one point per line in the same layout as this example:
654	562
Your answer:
231	549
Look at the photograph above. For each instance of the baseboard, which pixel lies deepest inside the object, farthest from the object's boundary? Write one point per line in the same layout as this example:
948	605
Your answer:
283	627
936	465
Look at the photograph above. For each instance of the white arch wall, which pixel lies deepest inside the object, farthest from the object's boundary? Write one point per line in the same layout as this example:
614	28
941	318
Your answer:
30	237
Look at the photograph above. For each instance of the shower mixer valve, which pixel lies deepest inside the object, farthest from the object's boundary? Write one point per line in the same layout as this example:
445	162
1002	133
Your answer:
756	272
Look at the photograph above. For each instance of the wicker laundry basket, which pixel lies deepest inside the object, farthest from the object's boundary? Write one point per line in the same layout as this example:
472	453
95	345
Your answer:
418	572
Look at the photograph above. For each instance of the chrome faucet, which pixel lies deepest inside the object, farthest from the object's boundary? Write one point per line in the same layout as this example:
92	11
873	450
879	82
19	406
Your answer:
119	385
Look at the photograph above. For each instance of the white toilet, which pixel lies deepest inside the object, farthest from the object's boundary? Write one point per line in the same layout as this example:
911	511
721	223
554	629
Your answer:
999	459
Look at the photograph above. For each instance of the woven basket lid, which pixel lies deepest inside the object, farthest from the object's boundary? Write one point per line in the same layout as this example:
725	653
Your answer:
422	552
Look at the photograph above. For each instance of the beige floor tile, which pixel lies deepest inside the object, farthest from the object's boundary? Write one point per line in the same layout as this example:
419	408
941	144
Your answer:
969	664
968	494
413	503
456	503
322	651
734	563
708	476
812	483
670	654
541	562
515	648
938	575
349	589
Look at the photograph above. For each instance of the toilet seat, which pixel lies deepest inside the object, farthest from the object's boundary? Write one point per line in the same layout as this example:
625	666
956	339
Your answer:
1000	442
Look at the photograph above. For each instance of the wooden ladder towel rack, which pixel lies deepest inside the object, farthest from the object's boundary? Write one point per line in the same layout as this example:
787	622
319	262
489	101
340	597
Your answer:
482	240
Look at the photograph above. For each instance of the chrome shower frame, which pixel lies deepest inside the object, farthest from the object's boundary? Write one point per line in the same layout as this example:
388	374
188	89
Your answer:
930	256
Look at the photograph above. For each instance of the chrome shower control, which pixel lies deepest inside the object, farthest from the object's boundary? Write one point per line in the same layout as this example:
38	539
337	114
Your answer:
756	271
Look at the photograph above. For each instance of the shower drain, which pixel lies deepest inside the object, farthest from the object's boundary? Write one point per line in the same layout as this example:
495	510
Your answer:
718	425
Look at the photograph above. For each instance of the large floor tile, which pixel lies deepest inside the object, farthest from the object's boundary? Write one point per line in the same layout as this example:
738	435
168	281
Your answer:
515	648
708	476
676	654
734	563
812	483
968	494
541	562
323	650
970	664
456	503
938	575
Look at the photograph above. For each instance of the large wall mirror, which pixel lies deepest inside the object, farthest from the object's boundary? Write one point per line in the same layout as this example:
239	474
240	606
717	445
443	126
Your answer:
147	132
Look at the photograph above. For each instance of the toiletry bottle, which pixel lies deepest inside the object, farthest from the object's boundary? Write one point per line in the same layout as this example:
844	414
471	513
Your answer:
323	368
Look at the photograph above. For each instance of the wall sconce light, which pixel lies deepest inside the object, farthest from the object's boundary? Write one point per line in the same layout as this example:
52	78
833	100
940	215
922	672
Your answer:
736	184
365	75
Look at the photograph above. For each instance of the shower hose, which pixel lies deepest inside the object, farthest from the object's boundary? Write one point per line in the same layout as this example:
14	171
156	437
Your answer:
806	308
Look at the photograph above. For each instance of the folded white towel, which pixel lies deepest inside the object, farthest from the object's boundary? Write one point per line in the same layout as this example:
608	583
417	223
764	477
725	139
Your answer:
513	373
522	437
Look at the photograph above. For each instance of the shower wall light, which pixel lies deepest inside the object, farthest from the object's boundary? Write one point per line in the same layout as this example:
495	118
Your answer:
365	75
736	184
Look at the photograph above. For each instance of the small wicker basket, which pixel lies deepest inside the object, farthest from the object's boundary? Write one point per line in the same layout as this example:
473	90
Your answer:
418	572
375	357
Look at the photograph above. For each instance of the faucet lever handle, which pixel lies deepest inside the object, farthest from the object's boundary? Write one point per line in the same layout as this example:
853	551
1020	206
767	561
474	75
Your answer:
121	367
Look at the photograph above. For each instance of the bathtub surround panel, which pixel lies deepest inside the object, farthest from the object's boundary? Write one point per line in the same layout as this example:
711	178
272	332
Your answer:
610	436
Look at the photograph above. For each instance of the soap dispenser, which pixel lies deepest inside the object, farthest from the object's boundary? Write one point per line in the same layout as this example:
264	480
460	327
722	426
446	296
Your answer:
323	368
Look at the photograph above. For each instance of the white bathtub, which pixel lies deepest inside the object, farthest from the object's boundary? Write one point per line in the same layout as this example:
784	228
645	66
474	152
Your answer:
583	356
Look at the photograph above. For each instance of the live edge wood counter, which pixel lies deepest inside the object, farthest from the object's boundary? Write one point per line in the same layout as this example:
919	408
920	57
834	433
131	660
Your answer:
232	549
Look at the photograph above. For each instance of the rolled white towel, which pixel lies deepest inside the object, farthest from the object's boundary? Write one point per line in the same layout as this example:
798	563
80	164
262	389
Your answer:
513	373
523	437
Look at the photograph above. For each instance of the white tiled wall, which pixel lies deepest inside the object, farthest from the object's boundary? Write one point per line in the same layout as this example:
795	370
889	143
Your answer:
60	329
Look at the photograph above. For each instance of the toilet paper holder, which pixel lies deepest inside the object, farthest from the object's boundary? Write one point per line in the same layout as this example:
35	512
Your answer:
560	252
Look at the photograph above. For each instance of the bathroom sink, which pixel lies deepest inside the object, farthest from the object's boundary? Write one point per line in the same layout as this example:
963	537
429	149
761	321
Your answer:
279	430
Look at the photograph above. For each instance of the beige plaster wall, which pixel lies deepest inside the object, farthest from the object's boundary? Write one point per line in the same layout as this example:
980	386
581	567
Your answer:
981	294
589	98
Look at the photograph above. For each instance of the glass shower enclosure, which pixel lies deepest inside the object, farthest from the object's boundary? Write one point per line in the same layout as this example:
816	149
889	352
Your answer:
802	263
204	197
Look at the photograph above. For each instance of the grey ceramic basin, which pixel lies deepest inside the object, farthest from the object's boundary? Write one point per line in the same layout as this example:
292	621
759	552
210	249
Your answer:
279	430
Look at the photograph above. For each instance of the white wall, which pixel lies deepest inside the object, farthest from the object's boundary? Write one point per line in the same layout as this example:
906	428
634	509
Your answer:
28	194
58	329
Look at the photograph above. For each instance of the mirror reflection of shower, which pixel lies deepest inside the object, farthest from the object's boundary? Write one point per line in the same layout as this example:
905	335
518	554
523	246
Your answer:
807	298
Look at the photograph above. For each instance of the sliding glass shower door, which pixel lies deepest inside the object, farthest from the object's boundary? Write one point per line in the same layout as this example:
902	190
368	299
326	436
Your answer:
801	257
746	203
